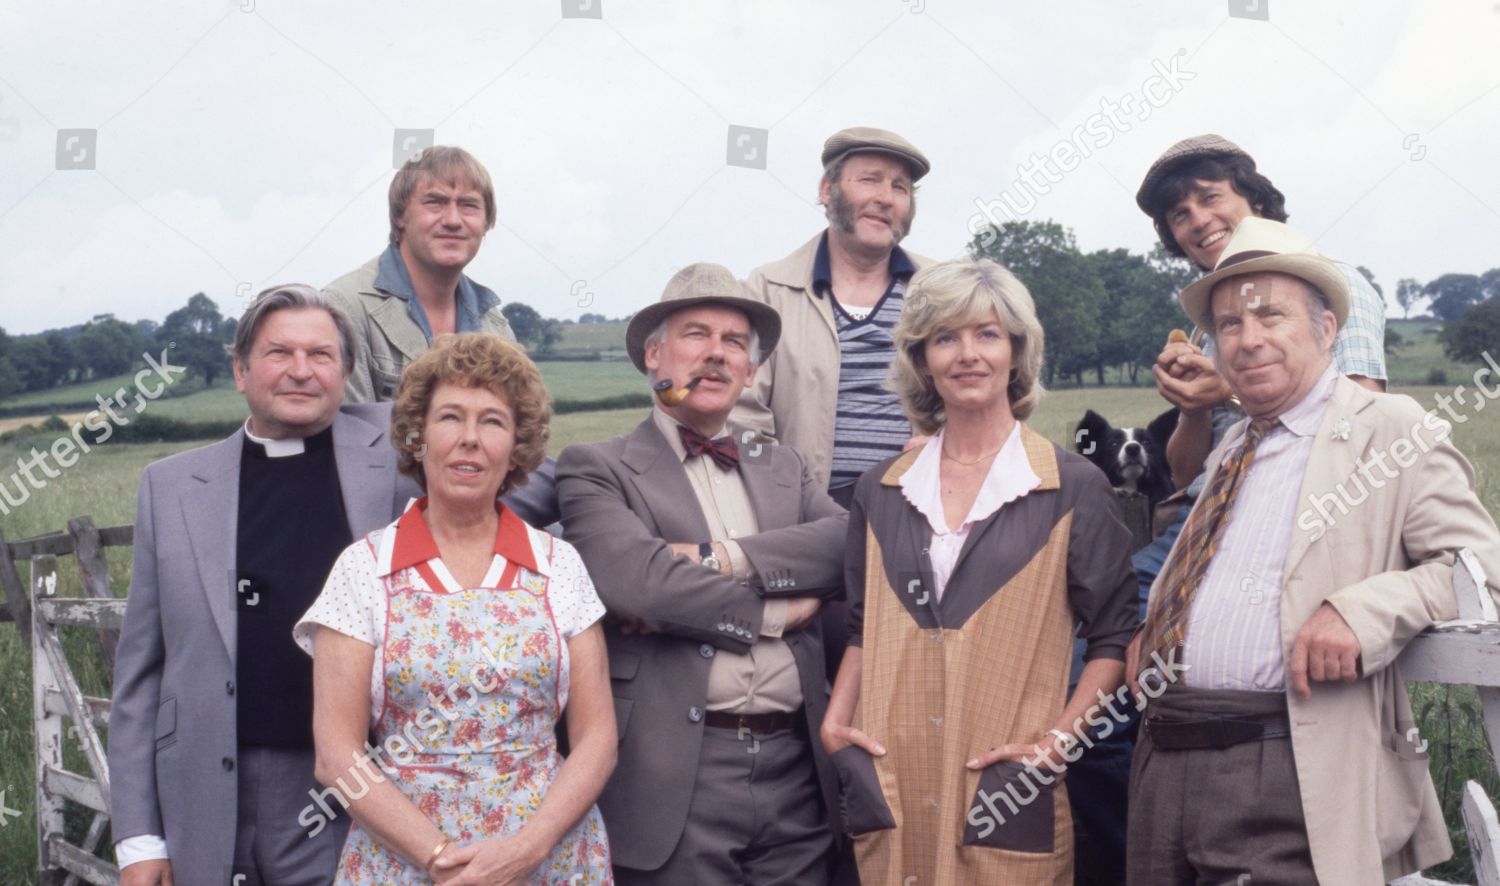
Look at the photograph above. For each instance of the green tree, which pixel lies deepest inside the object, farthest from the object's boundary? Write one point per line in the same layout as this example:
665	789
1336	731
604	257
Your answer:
531	329
42	361
1474	333
551	334
1408	293
1489	283
525	323
108	347
195	333
1065	286
1452	294
1139	309
10	379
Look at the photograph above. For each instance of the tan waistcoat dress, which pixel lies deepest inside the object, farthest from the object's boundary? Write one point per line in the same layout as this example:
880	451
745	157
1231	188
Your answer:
988	665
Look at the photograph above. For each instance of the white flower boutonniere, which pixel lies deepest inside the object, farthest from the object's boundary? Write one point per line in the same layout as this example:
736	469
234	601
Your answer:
1341	429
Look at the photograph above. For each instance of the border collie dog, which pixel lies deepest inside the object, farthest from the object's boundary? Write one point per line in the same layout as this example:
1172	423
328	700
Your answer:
1134	459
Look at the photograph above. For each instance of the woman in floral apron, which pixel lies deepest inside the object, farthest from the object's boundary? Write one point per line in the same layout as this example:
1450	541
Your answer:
450	643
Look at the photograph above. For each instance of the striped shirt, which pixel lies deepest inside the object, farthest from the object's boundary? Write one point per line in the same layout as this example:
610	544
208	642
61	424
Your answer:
869	424
1234	629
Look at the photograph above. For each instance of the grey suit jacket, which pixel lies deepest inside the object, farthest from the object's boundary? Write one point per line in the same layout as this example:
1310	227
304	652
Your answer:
172	736
623	500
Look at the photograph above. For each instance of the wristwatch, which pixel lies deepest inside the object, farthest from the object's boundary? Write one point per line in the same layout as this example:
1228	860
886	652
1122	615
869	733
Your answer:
707	557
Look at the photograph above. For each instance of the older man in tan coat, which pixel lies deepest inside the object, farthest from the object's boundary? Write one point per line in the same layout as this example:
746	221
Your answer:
839	296
1286	752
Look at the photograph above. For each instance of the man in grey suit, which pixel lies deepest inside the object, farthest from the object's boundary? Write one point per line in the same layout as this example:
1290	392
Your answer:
210	749
713	561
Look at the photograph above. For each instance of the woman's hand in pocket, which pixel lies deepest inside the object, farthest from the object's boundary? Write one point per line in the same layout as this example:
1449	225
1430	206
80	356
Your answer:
836	737
1052	751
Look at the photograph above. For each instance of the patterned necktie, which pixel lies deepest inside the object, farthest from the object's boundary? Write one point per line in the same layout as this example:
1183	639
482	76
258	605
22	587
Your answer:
1166	623
721	449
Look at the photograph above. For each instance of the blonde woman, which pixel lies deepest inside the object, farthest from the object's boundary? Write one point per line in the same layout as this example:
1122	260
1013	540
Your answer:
971	560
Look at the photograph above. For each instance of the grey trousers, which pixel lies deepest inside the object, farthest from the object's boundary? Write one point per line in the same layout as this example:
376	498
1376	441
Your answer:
270	847
756	817
1225	817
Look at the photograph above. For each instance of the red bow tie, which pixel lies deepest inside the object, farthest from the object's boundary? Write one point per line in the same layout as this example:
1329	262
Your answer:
722	449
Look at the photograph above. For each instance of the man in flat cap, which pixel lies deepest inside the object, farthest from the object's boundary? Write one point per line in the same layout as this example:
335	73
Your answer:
1286	752
712	560
839	296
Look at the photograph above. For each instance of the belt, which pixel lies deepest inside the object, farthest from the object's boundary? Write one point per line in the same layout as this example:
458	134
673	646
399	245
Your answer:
1216	733
758	723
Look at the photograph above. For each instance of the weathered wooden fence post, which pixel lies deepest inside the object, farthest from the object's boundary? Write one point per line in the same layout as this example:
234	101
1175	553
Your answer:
49	732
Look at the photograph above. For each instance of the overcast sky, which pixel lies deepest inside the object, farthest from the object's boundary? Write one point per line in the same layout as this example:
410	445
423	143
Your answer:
241	144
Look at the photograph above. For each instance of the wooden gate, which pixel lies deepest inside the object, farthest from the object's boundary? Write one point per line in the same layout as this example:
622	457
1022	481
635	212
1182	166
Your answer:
61	713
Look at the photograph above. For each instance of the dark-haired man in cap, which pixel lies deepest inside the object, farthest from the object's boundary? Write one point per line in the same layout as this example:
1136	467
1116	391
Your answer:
1196	193
712	560
839	296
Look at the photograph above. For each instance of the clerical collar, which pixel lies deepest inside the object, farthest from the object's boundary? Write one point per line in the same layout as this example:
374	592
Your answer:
289	445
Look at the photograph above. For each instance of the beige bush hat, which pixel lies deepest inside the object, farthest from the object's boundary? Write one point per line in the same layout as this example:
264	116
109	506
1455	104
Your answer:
702	284
868	138
1258	246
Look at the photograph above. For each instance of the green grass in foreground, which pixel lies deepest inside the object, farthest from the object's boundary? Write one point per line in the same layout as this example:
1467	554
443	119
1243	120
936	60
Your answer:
103	485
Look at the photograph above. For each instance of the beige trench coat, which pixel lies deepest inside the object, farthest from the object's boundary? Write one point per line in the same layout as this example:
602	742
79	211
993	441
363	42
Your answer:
1387	567
796	389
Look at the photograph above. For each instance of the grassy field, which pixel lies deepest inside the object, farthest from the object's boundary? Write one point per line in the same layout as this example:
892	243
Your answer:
577	381
1420	354
605	337
103	484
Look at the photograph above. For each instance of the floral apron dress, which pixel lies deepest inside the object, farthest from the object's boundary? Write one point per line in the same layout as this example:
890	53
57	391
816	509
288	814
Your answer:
471	699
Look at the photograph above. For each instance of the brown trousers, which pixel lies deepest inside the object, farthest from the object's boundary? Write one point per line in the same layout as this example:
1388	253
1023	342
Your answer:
1225	817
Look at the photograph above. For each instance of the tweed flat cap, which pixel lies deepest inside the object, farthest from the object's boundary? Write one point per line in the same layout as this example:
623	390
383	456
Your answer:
1208	145
868	138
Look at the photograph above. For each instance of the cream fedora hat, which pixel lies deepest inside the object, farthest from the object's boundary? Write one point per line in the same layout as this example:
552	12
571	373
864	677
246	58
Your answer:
1259	246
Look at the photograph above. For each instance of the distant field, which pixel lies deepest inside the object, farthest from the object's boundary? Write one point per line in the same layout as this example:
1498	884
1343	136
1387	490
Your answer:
586	381
72	393
593	337
1422	353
